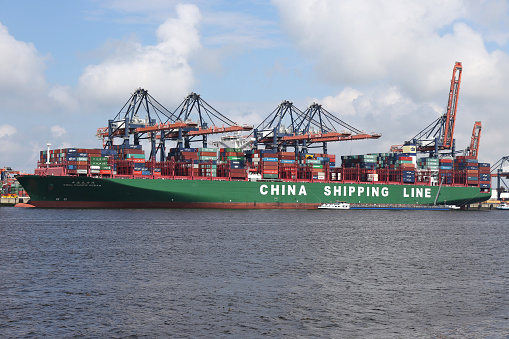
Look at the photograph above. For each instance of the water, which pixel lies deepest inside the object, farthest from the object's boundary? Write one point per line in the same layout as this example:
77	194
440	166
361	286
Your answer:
253	274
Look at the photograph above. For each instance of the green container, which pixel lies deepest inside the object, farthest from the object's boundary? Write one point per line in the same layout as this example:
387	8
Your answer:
207	149
207	158
311	161
235	158
317	166
135	156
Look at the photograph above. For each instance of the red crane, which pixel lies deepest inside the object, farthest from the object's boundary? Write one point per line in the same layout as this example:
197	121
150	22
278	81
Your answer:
473	150
439	135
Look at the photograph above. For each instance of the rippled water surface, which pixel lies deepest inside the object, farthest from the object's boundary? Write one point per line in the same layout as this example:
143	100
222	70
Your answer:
250	274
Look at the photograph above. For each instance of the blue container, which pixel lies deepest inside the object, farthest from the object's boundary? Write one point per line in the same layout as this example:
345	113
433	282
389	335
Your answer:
82	155
130	146
284	161
71	158
188	150
485	185
446	167
271	159
484	164
106	152
145	173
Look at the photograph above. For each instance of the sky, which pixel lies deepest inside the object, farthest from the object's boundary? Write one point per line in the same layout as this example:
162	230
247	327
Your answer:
382	66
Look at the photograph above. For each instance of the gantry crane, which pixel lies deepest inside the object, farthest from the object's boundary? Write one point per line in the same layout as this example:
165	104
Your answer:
181	125
501	170
439	135
287	126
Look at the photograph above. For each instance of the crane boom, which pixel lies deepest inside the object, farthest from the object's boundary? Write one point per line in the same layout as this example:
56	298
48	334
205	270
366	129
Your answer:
473	150
452	106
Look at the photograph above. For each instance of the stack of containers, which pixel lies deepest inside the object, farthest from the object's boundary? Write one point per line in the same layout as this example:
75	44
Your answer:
82	161
317	171
366	161
99	165
484	175
407	162
207	162
231	154
470	165
269	163
446	170
207	154
237	169
71	157
287	165
137	157
430	164
184	154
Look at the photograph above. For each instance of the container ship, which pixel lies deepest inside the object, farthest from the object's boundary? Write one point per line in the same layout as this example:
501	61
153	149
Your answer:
273	167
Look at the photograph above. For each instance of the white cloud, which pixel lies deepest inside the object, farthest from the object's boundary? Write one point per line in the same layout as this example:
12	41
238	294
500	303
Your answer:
398	56
7	131
343	102
21	71
64	97
57	131
162	69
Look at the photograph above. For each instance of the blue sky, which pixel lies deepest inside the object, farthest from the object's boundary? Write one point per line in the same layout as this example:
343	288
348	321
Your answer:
383	66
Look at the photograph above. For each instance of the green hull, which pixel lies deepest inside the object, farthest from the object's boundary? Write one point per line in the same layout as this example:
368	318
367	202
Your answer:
87	192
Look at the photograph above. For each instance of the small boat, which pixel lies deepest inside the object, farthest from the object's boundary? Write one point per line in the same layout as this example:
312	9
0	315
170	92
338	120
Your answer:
503	206
335	206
